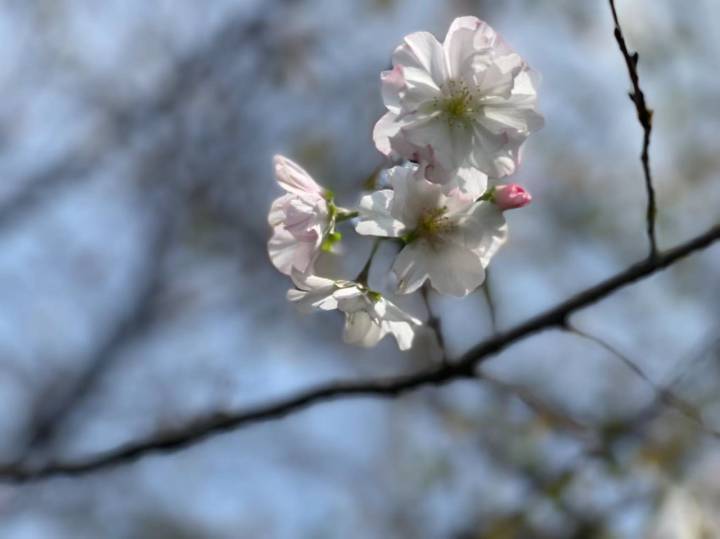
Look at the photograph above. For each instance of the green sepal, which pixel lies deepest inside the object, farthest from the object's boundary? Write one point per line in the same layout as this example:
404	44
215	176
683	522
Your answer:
330	240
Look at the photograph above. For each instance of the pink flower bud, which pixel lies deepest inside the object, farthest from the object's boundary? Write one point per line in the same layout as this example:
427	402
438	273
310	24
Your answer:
511	196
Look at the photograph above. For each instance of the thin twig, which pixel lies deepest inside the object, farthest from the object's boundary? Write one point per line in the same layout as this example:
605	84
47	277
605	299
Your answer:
434	322
362	277
663	395
463	368
645	117
550	414
487	293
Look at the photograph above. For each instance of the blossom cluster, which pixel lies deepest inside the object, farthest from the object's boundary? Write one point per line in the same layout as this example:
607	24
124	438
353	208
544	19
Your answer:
458	113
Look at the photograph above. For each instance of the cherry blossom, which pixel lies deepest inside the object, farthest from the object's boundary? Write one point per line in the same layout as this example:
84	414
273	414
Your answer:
302	219
468	102
368	315
449	239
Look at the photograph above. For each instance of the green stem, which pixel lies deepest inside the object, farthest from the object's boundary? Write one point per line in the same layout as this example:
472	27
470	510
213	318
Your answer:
343	215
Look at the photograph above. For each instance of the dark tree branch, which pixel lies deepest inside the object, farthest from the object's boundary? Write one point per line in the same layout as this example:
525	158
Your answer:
645	116
463	368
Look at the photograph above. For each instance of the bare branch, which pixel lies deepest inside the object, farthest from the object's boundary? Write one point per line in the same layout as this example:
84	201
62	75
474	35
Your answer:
645	116
463	368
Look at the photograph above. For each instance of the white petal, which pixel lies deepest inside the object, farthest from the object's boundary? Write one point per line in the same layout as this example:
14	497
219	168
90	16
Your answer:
454	270
400	324
351	299
413	196
483	231
411	268
526	84
360	329
315	300
293	178
469	182
375	216
385	129
404	333
422	51
459	44
494	154
315	292
310	281
435	133
516	115
492	81
419	89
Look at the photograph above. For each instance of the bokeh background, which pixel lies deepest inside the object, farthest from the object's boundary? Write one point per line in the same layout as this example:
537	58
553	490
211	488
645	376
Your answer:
135	161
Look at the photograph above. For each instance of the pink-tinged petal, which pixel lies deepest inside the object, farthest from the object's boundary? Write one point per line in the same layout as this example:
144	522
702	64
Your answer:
278	210
287	252
293	178
305	222
392	83
511	196
486	37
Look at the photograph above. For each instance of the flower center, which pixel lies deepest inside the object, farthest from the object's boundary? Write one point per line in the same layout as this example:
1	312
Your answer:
431	224
457	103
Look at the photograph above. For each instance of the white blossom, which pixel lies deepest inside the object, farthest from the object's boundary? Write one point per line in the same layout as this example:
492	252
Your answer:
448	239
468	102
301	219
368	315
